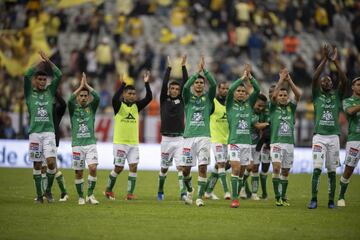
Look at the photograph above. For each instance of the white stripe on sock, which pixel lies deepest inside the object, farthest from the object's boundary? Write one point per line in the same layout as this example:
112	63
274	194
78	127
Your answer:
78	181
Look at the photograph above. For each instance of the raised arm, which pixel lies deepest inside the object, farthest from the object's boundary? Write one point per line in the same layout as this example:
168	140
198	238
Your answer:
186	92
141	104
116	103
254	95
96	98
320	68
56	73
342	76
27	81
185	75
296	90
164	87
212	84
283	75
60	104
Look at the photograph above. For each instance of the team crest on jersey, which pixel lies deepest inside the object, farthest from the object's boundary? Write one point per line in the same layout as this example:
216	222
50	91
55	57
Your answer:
41	112
327	116
83	128
76	156
317	148
284	128
34	146
353	152
243	124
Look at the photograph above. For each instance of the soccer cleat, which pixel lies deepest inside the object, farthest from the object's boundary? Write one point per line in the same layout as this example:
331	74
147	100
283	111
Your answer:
255	197
199	202
160	196
243	194
279	203
92	200
285	202
49	197
227	196
182	196
188	199
211	196
341	203
313	204
235	203
331	204
81	201
64	197
109	195
264	197
39	199
130	196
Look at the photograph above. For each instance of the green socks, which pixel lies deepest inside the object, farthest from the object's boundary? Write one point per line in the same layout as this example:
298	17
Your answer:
284	184
255	182
276	183
211	182
50	174
162	178
343	186
332	185
79	184
263	178
235	186
201	187
181	183
43	182
222	176
315	183
111	181
61	182
91	184
131	182
187	183
37	181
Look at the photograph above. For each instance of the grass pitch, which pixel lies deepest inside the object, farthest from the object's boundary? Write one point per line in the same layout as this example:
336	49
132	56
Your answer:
146	218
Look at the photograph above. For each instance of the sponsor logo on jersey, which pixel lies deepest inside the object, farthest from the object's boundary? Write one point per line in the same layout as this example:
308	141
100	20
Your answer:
218	148
34	146
276	149
187	151
317	148
76	156
164	156
234	147
353	152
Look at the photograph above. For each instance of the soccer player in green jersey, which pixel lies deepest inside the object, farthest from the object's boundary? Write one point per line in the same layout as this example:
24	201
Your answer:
239	112
327	104
351	107
82	115
126	134
196	147
282	118
39	100
219	130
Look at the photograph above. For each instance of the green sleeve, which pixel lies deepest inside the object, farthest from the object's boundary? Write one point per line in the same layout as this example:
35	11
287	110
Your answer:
293	106
56	80
95	102
71	104
254	95
346	104
186	92
230	95
212	84
27	81
272	107
315	93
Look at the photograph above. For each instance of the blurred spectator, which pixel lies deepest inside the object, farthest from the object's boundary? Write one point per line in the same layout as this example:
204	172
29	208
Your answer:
291	44
255	46
321	18
6	129
299	70
242	36
104	58
136	27
52	28
178	20
242	12
82	21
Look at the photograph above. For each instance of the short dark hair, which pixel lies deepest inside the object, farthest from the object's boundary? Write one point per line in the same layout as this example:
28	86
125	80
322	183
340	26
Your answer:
129	87
221	83
242	85
201	76
355	80
84	89
174	83
283	89
40	73
262	97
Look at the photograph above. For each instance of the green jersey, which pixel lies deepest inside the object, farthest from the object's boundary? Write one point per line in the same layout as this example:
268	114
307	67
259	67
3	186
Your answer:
282	120
198	109
255	134
327	108
83	120
354	119
266	113
240	113
40	103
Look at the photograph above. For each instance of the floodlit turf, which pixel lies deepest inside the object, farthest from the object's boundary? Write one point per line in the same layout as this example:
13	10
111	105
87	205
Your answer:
146	218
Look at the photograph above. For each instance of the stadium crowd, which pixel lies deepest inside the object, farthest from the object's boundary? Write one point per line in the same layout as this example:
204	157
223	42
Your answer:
108	38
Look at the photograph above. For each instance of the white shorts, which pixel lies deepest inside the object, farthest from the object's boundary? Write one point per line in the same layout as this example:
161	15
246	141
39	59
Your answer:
282	153
326	147
171	150
255	156
82	154
124	152
41	146
240	153
195	149
220	152
265	154
352	153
